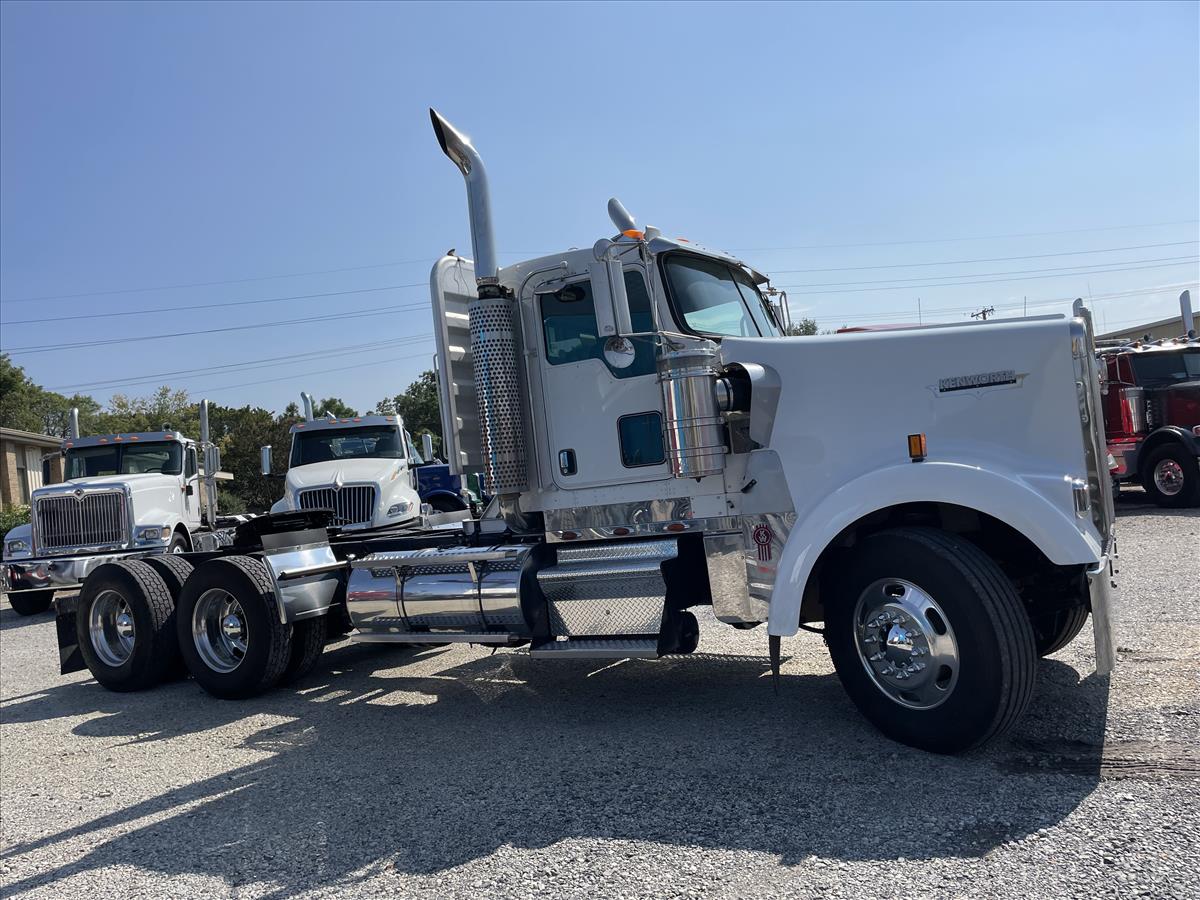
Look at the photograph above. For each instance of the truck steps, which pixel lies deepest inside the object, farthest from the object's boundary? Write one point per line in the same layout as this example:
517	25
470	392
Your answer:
433	637
597	648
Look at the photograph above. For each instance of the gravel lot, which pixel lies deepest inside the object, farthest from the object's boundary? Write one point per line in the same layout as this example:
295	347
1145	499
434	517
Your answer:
451	772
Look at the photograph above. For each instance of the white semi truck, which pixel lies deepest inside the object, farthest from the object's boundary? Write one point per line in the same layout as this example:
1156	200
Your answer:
124	496
935	496
360	467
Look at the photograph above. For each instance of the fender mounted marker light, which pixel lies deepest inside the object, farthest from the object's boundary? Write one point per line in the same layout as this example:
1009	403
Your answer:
916	447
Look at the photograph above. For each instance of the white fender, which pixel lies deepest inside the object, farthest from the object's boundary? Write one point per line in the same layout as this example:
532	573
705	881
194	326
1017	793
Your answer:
1033	505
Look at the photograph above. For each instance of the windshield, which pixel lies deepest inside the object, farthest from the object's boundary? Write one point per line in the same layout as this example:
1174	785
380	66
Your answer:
1163	367
328	444
713	297
160	457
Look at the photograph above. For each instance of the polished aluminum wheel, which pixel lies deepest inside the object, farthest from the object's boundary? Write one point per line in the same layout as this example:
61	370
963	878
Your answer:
219	630
1168	477
110	626
906	643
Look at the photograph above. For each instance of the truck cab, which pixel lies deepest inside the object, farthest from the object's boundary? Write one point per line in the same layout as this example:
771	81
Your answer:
363	468
124	495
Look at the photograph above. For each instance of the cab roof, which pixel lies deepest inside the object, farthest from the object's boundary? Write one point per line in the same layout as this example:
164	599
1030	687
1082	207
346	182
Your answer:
326	423
96	440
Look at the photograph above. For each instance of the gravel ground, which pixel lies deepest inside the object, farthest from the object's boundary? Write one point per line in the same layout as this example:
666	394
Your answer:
454	773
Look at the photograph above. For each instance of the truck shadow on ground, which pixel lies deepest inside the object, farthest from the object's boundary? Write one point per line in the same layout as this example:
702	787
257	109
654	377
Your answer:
378	768
10	618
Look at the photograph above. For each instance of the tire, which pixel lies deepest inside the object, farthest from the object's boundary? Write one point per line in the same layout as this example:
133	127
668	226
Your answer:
1053	631
179	543
125	626
308	643
951	597
443	504
174	571
31	603
1171	476
251	655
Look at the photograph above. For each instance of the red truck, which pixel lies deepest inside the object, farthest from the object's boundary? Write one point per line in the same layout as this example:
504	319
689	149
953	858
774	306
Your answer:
1151	401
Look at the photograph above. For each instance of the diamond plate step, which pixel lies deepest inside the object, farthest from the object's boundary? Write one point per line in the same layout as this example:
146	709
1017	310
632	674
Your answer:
597	648
432	637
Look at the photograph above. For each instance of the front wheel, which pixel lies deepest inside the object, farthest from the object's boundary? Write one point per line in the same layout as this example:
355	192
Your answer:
30	603
1171	477
930	639
229	629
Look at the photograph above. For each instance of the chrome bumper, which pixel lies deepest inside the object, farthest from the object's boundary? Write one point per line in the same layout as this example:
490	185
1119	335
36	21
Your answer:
59	573
1101	582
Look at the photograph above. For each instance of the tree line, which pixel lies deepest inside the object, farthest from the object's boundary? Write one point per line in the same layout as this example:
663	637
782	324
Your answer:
238	431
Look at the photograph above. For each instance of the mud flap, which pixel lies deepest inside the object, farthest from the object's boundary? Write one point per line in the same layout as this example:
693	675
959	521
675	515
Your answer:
69	658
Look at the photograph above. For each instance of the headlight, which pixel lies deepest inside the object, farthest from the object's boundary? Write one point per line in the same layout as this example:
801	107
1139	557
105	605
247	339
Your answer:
148	534
16	548
399	509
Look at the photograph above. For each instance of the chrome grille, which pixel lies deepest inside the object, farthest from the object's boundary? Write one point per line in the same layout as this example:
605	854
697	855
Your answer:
92	519
353	504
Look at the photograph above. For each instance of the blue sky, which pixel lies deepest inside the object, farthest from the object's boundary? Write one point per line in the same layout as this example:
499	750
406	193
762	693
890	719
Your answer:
885	146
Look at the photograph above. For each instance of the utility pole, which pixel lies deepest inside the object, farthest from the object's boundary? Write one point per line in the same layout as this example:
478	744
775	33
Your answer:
919	320
984	313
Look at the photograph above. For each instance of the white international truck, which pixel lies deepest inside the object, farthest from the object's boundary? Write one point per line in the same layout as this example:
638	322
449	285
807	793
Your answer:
935	496
360	467
124	496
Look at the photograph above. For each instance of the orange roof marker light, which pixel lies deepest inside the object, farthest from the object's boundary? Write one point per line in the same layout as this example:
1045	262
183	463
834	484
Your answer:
916	447
635	234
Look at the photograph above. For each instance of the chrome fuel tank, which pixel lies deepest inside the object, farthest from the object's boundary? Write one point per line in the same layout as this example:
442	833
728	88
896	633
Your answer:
468	589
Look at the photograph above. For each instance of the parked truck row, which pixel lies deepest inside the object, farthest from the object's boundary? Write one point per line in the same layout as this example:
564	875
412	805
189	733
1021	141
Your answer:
936	500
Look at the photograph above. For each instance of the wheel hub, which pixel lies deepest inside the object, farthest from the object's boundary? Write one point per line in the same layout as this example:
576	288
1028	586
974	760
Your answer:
905	643
219	630
1168	477
111	628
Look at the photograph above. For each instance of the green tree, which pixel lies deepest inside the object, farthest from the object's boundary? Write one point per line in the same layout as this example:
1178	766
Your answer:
418	406
337	406
802	328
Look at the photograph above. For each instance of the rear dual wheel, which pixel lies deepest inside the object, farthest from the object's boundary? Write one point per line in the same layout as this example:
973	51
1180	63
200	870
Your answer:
231	635
1171	476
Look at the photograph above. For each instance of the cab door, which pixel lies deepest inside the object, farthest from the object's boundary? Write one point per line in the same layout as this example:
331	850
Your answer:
603	423
191	487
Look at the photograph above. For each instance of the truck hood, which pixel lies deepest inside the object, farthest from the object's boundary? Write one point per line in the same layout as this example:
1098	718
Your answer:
345	471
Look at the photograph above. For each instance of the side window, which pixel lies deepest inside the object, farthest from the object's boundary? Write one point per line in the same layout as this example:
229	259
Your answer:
641	439
191	462
569	326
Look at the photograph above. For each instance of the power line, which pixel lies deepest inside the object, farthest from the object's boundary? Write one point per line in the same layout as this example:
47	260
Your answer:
382	362
340	316
895	287
206	305
958	262
257	363
991	237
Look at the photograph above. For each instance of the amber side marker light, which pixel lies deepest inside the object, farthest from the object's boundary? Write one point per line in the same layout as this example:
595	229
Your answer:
916	447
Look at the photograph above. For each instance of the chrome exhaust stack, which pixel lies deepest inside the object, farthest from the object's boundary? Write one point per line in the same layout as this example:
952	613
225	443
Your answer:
1185	313
495	350
73	427
211	458
306	401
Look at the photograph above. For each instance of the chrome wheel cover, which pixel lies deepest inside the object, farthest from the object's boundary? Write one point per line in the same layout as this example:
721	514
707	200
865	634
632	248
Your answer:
111	629
1168	477
219	630
906	644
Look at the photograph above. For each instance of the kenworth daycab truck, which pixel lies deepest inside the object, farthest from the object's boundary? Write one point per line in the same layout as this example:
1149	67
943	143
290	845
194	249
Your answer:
937	497
1151	393
365	469
124	496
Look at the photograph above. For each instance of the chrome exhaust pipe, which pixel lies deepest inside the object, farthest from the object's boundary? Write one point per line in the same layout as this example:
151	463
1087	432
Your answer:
306	401
210	460
1185	313
73	428
495	354
457	146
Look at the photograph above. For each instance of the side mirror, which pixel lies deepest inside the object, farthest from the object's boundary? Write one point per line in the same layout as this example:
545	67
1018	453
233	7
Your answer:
608	289
212	461
427	446
265	454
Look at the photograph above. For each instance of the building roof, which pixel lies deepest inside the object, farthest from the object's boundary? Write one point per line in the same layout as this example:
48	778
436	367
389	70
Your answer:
29	437
1138	329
